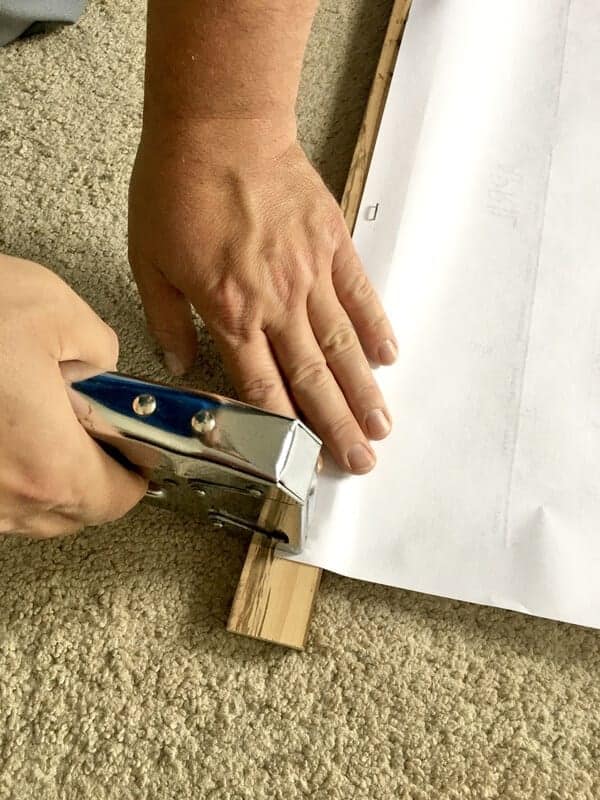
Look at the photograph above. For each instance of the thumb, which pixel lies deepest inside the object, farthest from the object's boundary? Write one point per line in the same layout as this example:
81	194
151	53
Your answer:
169	318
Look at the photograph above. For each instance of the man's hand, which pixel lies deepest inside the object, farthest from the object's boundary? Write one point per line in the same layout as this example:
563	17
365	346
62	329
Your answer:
54	478
250	236
226	213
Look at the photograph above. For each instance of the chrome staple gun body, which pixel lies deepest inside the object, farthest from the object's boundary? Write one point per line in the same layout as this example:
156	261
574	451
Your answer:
215	458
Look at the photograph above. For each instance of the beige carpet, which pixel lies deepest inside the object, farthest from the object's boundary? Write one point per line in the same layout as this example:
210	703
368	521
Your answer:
117	678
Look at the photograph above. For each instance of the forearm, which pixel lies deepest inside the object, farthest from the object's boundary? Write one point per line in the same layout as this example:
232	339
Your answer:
225	61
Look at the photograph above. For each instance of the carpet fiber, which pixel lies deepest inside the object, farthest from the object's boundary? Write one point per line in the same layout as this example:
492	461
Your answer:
117	678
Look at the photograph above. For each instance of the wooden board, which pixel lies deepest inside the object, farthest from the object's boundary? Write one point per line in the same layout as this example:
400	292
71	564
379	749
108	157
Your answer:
275	598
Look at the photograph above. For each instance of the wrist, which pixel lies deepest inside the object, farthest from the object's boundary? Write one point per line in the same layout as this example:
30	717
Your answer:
226	142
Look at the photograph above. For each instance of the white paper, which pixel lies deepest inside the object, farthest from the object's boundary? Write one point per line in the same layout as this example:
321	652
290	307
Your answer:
486	252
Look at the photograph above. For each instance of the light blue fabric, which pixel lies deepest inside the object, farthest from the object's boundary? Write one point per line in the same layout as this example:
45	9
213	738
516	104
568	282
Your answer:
18	15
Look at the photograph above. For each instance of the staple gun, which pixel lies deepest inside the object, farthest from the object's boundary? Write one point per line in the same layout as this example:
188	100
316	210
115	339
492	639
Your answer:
218	459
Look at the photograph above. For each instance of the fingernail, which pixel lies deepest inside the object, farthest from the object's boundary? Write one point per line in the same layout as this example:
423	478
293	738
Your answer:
174	364
360	458
378	425
388	352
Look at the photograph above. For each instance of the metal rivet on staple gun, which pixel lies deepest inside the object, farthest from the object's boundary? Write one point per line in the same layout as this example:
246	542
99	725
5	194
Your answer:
144	405
203	422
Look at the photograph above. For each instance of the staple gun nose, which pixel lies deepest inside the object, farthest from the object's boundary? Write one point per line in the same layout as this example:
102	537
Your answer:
217	459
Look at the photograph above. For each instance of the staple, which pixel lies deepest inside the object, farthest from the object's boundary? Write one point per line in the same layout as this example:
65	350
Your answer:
371	214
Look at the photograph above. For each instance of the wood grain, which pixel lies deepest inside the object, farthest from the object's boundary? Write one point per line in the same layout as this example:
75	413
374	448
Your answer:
275	598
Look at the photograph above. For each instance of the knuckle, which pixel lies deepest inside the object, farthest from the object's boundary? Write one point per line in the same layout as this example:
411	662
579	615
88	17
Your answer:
289	285
230	304
329	229
227	295
314	374
340	428
359	290
259	391
159	331
171	336
338	227
367	394
341	340
38	490
291	280
378	322
47	488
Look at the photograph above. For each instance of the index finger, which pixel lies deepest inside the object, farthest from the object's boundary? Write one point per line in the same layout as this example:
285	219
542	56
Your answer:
254	371
101	488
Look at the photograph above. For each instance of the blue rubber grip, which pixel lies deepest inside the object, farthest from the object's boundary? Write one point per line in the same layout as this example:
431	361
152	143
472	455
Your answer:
174	407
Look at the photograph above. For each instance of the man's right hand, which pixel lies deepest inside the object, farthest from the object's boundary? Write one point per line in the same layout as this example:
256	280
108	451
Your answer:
54	478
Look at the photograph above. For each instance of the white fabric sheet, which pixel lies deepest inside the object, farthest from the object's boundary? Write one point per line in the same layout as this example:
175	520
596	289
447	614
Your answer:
486	251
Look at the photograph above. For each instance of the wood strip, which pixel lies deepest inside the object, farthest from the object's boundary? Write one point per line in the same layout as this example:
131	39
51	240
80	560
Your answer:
365	144
275	598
